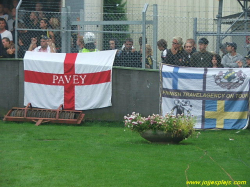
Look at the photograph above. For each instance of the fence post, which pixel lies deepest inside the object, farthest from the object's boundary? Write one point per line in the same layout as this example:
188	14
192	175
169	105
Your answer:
195	30
155	34
16	26
144	35
63	29
219	16
69	34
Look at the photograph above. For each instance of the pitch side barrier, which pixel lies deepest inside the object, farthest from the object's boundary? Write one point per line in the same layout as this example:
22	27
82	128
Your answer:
133	89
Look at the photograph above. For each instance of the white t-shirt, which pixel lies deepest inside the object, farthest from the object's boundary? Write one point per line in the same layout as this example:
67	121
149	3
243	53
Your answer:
7	34
39	49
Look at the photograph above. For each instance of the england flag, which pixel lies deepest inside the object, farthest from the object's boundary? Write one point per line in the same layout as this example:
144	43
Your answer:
79	81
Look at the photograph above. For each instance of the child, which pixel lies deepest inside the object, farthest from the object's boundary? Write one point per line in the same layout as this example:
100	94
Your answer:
216	61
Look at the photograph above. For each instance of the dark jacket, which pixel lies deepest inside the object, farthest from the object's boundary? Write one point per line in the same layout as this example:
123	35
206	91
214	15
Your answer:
178	59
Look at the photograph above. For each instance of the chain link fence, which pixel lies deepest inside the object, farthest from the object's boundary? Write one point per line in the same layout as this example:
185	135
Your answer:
129	32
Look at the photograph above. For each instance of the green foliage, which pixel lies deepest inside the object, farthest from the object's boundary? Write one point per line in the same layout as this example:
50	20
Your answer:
114	10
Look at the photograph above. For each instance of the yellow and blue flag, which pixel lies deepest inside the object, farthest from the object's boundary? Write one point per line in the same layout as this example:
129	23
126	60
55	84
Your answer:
217	97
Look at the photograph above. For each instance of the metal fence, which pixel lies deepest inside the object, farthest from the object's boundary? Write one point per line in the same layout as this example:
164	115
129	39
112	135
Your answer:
147	24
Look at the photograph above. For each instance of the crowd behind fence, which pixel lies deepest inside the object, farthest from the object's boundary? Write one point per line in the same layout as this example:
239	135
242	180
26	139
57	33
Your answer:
173	40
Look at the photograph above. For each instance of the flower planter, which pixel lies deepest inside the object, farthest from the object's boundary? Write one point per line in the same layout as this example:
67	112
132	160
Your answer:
161	137
153	128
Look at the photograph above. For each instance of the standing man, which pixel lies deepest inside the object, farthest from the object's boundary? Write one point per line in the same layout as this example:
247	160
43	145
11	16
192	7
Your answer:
229	60
3	31
188	47
46	45
192	41
201	58
129	57
177	55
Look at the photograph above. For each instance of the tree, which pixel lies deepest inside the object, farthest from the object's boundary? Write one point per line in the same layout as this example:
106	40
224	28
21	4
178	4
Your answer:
114	10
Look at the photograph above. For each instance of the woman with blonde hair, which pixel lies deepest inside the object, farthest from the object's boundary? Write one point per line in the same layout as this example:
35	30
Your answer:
149	54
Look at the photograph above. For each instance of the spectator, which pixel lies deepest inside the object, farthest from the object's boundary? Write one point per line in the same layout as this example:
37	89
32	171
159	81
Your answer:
223	49
216	61
11	51
188	47
3	31
230	59
46	45
201	58
21	10
14	3
133	49
149	54
192	41
177	55
140	43
89	42
39	9
33	22
25	35
7	11
44	25
11	21
113	45
129	57
55	24
1	47
7	48
22	47
162	46
80	43
2	14
247	61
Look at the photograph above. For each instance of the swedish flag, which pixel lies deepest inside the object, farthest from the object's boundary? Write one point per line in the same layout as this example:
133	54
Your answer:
226	114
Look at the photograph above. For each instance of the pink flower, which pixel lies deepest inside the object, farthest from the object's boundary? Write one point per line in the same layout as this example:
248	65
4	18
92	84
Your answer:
134	123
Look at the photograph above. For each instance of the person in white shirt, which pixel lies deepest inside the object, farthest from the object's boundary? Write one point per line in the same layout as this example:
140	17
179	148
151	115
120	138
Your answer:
3	31
229	60
46	45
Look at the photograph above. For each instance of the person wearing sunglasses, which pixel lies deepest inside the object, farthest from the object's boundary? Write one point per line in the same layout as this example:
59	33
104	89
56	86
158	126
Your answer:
177	55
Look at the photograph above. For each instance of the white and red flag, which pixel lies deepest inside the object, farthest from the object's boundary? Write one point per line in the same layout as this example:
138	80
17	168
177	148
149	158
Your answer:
79	81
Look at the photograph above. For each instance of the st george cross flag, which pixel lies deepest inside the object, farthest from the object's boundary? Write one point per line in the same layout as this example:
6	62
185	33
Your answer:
79	81
217	97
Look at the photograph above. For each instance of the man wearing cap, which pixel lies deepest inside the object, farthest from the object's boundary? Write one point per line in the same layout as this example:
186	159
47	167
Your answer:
46	45
229	60
201	58
247	61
